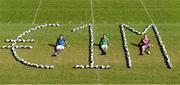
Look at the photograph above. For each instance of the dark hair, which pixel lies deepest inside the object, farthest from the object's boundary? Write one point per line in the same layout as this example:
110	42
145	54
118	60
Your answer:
145	35
61	35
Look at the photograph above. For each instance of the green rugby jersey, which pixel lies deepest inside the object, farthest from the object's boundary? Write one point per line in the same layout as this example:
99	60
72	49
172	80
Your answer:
104	41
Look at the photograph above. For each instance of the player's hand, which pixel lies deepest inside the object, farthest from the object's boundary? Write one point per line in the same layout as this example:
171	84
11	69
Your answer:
68	45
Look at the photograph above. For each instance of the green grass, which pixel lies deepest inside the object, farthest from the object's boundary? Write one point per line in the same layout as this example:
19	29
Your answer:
17	16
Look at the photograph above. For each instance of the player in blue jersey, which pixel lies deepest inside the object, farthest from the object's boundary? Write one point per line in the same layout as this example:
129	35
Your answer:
61	42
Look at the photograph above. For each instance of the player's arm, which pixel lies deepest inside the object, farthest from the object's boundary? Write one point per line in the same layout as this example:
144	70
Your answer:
66	43
108	42
150	44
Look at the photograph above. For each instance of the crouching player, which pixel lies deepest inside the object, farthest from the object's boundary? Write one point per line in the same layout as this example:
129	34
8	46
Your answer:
104	42
145	45
61	42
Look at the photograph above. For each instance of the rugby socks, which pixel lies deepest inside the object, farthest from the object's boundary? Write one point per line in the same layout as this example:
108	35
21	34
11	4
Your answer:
58	52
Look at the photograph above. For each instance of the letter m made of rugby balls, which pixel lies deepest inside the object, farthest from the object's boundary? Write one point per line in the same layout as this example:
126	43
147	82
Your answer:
158	37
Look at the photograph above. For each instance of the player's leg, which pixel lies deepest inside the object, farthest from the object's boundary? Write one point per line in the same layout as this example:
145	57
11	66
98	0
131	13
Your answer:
148	50
142	49
104	48
60	49
57	50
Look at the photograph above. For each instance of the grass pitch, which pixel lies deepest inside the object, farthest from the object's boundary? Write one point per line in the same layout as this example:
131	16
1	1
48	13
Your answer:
17	16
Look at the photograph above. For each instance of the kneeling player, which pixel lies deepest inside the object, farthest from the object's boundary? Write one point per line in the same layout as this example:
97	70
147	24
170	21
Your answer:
145	45
104	42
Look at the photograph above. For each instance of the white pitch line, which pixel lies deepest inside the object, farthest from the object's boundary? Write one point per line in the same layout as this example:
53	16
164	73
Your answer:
146	11
93	22
92	12
36	13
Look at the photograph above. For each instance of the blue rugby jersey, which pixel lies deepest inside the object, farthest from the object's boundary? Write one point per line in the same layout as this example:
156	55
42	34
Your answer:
60	41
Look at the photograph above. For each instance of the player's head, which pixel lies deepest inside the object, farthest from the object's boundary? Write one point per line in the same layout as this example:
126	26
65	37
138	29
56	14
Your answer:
61	36
104	36
145	36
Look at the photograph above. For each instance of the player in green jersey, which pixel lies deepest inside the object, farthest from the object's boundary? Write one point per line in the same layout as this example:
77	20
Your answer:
104	43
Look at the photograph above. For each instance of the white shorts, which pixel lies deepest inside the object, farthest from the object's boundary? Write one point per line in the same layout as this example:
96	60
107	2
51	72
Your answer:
60	47
104	46
145	47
